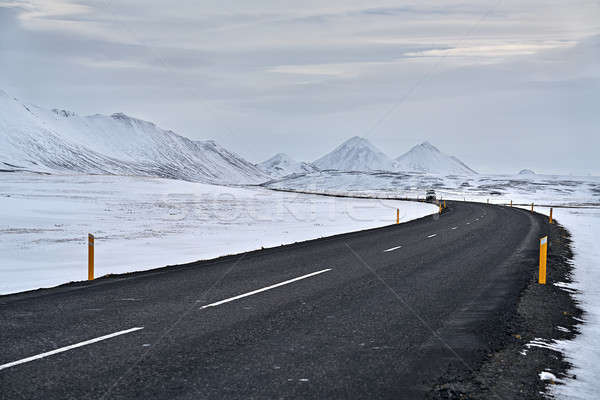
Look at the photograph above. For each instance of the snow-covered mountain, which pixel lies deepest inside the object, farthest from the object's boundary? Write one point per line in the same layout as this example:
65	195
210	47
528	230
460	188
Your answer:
281	165
355	154
427	158
358	154
37	139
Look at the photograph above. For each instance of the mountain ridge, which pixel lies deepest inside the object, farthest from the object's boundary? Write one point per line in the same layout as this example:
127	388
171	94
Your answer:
359	154
40	140
59	140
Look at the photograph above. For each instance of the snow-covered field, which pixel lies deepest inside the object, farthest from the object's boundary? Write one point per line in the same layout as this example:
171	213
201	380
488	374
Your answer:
541	189
584	351
142	223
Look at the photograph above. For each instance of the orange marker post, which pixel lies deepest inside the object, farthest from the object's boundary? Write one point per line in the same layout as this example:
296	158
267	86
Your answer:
397	215
543	259
531	207
90	257
511	203
550	215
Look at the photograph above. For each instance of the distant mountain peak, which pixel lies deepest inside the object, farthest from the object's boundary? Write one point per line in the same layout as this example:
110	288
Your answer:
357	141
526	172
281	156
120	115
129	120
428	146
281	165
425	157
355	154
279	159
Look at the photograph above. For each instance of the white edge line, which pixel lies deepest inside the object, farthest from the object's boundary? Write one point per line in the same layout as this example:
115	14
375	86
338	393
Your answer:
70	347
392	249
241	296
434	235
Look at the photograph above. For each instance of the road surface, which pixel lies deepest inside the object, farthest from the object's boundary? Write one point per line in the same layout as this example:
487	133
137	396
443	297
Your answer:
382	313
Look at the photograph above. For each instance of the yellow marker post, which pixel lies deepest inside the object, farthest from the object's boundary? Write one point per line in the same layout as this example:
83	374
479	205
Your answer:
444	203
550	215
397	215
543	257
90	257
440	208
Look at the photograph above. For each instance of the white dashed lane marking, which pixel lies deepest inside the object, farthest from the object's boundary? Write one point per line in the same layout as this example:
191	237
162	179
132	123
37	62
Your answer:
392	249
241	296
67	348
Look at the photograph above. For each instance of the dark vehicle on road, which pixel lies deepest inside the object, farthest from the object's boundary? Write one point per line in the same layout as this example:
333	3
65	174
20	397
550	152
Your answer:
430	195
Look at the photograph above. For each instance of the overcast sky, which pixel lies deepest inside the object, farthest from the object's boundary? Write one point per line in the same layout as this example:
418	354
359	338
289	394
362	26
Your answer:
503	85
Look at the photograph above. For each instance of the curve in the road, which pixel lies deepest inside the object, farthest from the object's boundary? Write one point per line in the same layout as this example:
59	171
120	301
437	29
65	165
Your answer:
397	307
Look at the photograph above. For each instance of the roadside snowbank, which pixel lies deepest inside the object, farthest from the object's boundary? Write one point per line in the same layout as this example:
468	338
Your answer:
584	351
142	223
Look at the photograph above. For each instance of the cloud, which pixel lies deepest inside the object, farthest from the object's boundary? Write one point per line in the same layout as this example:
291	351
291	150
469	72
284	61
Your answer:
497	50
347	70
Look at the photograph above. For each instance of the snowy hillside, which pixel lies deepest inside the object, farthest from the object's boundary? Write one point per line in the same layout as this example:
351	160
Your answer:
355	154
36	139
427	158
281	165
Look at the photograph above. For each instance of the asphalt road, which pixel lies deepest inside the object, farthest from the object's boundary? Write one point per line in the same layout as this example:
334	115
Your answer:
373	314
